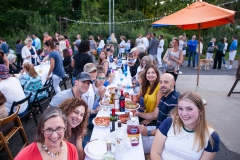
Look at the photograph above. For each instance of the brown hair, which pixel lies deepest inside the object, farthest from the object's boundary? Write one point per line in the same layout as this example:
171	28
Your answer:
68	106
141	74
146	83
201	129
50	44
100	68
30	68
147	59
66	53
99	59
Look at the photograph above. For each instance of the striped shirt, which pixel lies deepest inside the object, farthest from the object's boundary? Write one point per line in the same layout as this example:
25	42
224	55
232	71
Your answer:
165	105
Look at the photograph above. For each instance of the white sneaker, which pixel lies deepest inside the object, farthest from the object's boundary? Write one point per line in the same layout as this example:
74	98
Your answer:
180	72
229	67
226	66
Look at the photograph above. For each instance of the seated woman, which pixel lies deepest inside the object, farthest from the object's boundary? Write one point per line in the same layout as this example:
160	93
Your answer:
14	69
186	135
99	92
49	141
31	81
66	58
41	55
76	111
103	61
150	89
108	79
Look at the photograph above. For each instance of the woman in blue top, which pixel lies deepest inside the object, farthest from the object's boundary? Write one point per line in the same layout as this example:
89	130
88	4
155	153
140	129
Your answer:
219	54
187	135
31	81
56	65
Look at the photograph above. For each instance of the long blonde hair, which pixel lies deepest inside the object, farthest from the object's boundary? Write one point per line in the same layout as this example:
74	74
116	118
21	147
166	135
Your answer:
113	39
30	68
201	133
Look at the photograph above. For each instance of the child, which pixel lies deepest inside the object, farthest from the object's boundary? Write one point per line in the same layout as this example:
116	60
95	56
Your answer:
42	55
173	66
109	55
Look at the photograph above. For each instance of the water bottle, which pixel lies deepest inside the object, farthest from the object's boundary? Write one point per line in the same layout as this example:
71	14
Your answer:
119	60
128	87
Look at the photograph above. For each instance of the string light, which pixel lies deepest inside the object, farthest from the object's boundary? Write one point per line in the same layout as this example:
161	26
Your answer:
227	3
103	23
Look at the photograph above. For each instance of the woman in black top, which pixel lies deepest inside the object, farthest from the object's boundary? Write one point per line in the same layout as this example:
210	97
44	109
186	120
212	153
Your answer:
19	47
13	68
81	58
67	58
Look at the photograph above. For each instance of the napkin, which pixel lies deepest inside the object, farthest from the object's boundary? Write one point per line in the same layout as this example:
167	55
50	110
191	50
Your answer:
111	136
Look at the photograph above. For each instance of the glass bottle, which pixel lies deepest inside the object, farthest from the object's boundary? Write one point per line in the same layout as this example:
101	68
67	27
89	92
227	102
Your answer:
109	155
116	101
113	120
119	144
122	102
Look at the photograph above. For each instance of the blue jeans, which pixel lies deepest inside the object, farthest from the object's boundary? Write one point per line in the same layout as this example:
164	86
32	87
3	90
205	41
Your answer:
73	79
196	58
99	50
223	60
191	55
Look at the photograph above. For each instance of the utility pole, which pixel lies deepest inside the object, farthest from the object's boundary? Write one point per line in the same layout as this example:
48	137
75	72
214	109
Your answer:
109	23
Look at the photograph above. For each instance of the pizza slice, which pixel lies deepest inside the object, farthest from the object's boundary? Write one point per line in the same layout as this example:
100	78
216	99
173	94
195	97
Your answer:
102	121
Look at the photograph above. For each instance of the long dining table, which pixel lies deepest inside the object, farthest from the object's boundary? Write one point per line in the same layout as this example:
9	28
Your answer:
134	153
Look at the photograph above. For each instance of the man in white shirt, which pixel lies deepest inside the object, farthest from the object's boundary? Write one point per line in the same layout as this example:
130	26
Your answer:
160	50
146	40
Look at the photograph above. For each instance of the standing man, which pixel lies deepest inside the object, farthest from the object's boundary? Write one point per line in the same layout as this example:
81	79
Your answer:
192	46
3	46
153	47
232	51
46	37
166	104
160	50
76	43
145	41
37	42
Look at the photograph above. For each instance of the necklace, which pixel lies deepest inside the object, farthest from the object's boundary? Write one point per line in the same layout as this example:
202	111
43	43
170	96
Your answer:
54	155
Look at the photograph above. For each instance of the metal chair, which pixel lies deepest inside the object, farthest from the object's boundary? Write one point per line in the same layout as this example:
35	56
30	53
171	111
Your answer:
5	137
49	84
38	102
28	110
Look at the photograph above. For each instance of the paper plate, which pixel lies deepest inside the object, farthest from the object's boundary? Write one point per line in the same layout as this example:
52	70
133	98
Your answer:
97	125
96	149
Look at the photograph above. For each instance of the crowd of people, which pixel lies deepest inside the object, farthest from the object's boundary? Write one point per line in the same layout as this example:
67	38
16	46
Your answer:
172	125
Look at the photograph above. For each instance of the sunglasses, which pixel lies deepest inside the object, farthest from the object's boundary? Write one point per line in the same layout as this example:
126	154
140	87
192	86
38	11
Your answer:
101	78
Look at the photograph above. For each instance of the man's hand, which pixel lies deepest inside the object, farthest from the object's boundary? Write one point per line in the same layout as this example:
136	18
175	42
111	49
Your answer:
143	130
145	122
48	77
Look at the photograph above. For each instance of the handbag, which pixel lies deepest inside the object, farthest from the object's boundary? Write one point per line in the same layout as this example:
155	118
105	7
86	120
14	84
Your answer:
94	52
210	49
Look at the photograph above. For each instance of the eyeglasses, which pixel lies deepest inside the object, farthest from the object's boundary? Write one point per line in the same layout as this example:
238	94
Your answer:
57	130
101	78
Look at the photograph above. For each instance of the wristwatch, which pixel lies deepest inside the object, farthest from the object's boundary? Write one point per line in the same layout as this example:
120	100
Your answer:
149	133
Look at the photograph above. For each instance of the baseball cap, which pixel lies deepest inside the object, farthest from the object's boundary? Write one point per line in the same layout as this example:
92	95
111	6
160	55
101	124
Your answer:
134	49
89	67
84	76
4	72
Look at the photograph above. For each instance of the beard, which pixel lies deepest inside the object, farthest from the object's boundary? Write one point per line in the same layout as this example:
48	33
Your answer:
165	90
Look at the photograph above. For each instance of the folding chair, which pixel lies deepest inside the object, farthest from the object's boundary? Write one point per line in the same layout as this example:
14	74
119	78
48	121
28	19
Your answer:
39	102
5	137
28	110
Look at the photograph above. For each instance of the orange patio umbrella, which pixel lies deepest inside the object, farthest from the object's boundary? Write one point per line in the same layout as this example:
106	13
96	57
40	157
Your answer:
199	15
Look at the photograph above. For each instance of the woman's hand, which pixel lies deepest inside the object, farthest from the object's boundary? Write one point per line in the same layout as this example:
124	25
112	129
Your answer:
172	57
102	91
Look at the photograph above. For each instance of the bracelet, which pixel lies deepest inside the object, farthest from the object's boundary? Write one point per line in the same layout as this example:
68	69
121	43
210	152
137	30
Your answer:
149	133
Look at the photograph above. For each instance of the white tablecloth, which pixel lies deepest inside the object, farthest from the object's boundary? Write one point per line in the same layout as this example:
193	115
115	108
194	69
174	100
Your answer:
45	68
136	152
